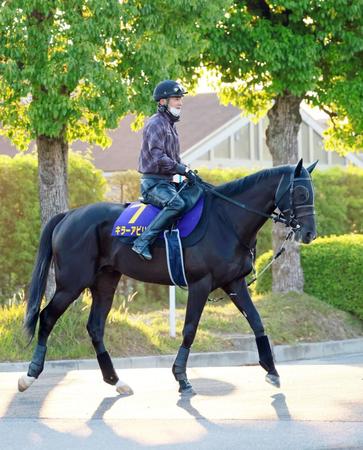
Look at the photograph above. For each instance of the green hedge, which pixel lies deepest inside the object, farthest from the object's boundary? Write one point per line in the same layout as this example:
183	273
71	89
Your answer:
332	271
338	198
19	212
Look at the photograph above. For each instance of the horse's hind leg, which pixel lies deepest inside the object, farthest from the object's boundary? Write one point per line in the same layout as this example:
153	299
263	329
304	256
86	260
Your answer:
238	292
48	317
103	291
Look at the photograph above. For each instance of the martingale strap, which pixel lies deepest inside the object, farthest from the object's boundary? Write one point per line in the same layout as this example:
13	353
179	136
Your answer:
279	252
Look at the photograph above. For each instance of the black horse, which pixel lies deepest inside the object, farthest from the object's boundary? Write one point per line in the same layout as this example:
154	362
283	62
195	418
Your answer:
85	255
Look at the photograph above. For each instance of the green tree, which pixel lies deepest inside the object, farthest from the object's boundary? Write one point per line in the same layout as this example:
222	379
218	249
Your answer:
273	54
72	69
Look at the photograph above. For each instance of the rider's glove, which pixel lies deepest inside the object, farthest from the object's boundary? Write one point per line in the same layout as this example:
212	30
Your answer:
181	168
192	176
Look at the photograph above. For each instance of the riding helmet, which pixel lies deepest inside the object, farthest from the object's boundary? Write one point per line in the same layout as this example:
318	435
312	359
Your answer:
167	89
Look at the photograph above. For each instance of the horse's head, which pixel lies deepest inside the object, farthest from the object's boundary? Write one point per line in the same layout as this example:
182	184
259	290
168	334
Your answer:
295	199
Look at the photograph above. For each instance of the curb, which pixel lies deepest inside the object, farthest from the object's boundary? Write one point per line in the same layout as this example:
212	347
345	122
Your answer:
283	353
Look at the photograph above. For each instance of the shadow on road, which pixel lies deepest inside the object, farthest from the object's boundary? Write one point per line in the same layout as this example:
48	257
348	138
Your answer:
105	405
210	387
280	406
29	403
42	433
207	387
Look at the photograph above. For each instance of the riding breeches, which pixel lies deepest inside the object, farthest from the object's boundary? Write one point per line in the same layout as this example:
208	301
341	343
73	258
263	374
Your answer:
163	194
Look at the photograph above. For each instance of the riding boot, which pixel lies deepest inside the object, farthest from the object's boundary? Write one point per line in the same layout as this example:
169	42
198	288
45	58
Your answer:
162	221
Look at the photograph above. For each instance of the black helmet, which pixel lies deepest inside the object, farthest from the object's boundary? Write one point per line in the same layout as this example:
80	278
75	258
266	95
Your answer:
168	88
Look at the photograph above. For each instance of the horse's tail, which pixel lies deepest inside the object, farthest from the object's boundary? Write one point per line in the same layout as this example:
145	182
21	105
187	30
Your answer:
40	275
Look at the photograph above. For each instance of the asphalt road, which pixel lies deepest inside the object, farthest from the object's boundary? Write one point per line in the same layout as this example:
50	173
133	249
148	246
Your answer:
319	406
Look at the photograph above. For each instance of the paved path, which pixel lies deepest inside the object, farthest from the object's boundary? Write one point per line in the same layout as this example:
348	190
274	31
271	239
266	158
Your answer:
319	406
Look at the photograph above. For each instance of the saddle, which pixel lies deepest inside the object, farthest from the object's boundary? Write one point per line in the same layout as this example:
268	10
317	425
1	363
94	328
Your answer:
185	231
138	215
191	225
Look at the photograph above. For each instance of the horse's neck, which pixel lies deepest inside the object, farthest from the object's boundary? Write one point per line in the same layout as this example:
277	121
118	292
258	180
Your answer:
260	197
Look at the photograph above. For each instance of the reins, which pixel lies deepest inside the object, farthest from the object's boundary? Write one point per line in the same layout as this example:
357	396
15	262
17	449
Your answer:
291	222
274	216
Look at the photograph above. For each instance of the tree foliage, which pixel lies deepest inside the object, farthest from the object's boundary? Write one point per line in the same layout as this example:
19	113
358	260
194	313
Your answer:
77	67
311	49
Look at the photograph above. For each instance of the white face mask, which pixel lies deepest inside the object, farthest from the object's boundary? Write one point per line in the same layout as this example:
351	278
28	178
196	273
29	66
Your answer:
175	111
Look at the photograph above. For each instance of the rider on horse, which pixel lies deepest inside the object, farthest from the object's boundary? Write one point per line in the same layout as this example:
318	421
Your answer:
159	161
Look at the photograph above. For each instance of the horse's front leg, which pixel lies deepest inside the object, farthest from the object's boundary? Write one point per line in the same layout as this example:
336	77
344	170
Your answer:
197	297
238	292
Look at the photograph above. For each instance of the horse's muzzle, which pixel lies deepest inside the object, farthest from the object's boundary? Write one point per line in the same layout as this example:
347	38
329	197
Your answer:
308	237
305	237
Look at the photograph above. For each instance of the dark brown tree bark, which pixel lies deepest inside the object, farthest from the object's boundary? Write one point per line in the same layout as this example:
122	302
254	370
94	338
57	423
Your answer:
281	137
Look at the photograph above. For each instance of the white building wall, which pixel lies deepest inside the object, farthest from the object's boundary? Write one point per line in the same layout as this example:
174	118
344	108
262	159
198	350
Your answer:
310	142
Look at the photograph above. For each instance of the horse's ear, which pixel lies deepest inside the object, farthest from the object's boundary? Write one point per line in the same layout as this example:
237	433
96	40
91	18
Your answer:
298	168
312	167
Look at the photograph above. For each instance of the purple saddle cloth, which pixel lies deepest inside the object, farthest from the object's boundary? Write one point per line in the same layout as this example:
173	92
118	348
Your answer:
137	216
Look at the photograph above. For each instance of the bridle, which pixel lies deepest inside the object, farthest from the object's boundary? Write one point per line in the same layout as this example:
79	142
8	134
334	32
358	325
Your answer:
294	211
288	216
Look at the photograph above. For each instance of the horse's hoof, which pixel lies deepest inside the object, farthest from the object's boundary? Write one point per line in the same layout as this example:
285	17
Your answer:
123	388
273	379
187	392
25	382
186	389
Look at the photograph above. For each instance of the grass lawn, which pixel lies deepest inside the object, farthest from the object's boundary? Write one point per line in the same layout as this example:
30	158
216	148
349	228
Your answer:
136	328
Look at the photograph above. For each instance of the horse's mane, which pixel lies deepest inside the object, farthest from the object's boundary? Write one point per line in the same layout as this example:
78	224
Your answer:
242	184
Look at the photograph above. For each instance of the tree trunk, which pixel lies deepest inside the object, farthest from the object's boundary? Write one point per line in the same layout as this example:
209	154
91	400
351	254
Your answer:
52	171
281	137
53	186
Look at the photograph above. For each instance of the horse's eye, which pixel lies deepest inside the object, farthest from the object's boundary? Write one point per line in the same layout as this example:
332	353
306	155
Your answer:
301	195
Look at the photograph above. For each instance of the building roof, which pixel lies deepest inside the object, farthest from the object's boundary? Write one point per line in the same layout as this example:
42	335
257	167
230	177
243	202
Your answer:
202	115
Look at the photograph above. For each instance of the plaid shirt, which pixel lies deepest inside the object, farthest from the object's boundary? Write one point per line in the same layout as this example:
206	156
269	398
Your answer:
160	150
